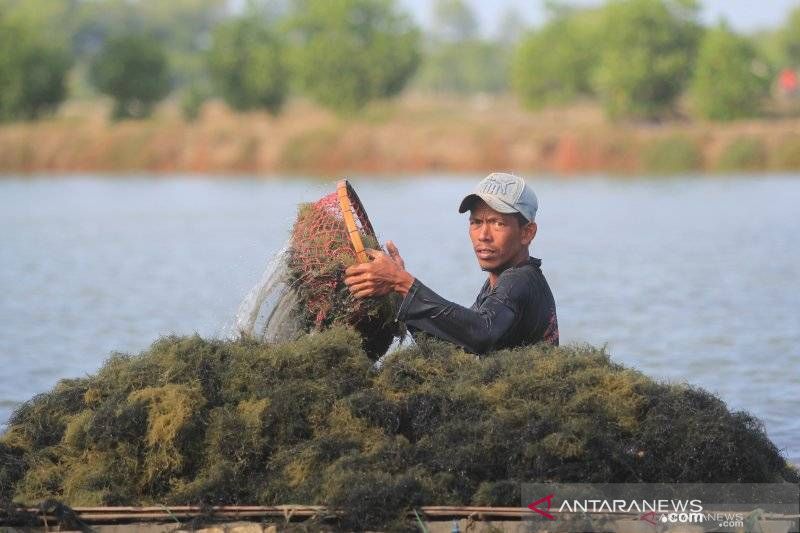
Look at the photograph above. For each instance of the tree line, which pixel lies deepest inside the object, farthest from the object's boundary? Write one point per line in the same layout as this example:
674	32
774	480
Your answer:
637	57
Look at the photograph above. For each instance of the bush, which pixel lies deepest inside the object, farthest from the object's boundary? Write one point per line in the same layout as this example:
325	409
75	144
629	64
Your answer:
348	52
725	86
672	155
648	46
743	153
314	422
32	72
133	70
555	64
247	65
192	101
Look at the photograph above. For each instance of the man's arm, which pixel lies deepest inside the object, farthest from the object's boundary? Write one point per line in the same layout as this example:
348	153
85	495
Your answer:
477	331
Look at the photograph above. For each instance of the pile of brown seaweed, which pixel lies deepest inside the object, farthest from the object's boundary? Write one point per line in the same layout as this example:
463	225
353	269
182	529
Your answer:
314	421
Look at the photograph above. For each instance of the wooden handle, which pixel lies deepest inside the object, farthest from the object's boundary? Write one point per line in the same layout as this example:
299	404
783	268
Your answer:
342	188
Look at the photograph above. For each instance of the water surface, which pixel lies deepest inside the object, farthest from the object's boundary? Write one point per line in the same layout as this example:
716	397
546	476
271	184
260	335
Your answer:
687	279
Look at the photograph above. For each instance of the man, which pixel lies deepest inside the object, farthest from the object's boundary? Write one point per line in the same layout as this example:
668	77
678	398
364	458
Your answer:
515	306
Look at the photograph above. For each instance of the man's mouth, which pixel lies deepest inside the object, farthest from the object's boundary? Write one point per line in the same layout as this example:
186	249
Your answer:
485	253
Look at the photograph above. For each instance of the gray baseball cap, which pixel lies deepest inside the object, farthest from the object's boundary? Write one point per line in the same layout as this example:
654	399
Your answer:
505	193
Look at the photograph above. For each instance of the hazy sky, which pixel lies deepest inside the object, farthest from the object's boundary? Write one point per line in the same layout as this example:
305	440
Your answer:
745	15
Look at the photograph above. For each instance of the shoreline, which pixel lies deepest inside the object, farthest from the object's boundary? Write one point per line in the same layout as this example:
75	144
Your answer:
412	135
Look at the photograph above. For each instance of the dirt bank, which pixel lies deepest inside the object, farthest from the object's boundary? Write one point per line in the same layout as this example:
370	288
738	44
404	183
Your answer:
411	135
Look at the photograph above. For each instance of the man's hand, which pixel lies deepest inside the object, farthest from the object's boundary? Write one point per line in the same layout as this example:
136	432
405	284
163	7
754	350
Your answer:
394	253
384	274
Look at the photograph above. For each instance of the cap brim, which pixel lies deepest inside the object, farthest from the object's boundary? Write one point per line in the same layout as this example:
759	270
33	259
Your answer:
492	201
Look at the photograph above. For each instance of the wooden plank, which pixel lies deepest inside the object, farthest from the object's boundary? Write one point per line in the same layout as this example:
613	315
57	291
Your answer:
165	513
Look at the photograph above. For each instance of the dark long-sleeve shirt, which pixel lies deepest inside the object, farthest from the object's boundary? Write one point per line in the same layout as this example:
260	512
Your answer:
518	310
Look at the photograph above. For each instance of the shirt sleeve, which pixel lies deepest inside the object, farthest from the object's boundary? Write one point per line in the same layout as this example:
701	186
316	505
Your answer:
477	331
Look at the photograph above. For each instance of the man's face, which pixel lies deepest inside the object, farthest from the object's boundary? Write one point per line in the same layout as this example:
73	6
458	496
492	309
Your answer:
497	238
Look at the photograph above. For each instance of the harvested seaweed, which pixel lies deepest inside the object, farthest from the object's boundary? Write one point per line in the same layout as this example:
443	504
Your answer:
313	421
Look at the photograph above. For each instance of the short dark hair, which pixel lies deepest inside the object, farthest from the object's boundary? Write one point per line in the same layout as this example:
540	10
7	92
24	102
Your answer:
521	220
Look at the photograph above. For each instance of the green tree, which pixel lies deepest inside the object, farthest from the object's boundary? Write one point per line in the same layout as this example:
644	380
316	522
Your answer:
457	60
247	64
725	85
769	45
55	17
133	70
790	38
554	64
511	27
182	27
348	52
32	71
648	47
453	20
468	67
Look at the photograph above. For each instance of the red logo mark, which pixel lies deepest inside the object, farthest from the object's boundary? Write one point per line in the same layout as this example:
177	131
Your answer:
650	518
535	506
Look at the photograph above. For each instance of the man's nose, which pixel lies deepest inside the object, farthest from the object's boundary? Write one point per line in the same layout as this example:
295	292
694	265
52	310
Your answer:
485	234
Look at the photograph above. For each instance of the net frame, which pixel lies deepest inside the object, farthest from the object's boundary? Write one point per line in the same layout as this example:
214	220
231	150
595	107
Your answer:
355	218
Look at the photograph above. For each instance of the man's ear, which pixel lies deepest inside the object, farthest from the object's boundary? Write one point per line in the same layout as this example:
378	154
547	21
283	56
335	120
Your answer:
528	233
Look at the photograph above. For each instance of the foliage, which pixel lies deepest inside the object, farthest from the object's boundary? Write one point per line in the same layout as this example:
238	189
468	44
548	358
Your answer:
313	421
53	18
456	59
467	67
769	45
511	27
454	21
790	38
348	52
133	70
247	64
743	153
554	64
181	27
193	99
672	155
648	46
725	85
33	70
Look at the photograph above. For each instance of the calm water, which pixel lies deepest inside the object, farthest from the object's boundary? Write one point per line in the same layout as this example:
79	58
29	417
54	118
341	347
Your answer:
686	279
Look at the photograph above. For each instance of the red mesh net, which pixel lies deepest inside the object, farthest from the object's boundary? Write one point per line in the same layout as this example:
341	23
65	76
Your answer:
321	249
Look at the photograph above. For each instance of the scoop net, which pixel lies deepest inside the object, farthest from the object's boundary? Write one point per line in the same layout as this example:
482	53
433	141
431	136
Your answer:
328	236
306	289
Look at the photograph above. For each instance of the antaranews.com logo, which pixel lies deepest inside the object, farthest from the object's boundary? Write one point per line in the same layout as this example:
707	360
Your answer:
675	511
731	506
